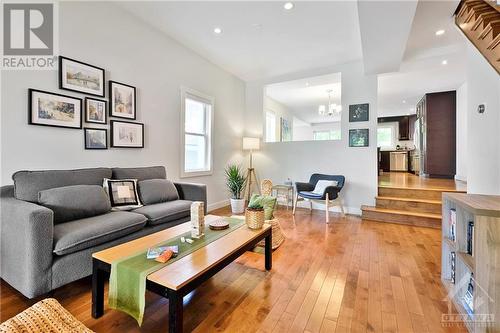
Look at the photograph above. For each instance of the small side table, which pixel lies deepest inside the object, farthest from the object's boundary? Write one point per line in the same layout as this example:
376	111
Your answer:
285	192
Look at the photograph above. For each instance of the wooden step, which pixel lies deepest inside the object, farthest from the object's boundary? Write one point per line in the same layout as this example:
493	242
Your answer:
401	217
412	193
410	205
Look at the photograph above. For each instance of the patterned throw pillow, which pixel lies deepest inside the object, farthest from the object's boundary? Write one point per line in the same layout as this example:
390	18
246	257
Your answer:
122	193
267	201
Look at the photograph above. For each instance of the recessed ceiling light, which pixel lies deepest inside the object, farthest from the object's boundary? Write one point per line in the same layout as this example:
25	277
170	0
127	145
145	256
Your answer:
288	5
444	62
439	32
307	84
404	102
218	31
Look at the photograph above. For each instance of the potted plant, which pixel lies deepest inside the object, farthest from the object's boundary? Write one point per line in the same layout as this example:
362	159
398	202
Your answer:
235	181
254	216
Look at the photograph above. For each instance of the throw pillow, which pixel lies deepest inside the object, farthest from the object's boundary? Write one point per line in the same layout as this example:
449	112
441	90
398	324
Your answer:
122	193
321	185
267	201
154	191
75	202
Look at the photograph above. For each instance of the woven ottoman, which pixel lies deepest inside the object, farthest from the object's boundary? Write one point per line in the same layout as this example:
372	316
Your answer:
278	236
45	316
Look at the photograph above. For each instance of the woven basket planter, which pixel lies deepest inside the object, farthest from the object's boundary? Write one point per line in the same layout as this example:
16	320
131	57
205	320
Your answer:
254	218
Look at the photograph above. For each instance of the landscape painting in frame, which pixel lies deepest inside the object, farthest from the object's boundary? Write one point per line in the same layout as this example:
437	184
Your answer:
122	100
358	137
127	134
95	111
81	77
286	130
96	138
50	109
358	112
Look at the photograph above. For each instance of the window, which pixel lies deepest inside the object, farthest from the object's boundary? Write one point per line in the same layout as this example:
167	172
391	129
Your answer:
270	127
385	137
197	122
326	135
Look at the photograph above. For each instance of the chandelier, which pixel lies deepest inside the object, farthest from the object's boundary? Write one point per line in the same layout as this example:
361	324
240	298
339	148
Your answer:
330	109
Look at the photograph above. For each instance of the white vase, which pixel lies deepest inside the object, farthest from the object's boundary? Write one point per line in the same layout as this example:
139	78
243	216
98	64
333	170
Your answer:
238	206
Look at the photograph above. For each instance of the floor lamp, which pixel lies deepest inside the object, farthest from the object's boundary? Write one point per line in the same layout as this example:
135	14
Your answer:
251	144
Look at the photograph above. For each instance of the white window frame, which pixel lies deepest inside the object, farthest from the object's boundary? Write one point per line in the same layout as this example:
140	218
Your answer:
275	125
209	124
394	128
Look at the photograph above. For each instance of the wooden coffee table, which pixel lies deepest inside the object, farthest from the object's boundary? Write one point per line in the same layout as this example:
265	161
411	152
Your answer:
178	279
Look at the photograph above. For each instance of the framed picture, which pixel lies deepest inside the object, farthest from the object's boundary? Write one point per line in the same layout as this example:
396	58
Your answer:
78	76
122	100
358	137
50	109
95	110
96	138
126	134
358	112
286	130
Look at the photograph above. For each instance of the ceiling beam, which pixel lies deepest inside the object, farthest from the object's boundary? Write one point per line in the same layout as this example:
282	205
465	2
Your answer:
385	27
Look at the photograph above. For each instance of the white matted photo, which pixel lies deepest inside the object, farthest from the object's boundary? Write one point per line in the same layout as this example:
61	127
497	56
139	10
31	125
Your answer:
126	134
95	111
81	77
50	109
122	100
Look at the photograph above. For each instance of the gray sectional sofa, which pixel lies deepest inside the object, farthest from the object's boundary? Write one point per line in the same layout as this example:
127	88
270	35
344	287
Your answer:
39	255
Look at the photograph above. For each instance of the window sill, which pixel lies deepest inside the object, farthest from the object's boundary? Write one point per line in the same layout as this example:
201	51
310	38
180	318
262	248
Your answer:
196	174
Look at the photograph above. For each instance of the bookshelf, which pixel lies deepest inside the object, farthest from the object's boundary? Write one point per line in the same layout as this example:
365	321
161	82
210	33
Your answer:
473	244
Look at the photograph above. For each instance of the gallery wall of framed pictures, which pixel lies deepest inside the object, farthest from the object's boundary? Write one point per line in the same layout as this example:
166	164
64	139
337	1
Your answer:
359	137
57	110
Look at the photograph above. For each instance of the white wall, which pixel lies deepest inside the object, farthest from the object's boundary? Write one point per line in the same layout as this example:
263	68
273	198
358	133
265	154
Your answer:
133	53
298	160
304	133
462	126
483	156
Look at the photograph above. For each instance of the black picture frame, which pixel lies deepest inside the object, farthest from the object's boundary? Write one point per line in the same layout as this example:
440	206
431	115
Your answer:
105	113
86	129
112	100
32	91
63	86
112	131
354	137
359	112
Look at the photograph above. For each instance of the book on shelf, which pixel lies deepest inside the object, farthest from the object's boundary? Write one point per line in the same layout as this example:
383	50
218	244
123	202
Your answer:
453	224
452	267
470	238
468	298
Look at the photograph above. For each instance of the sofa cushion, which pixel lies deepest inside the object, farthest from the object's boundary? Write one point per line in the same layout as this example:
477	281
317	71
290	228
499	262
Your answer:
81	234
165	211
27	184
154	191
142	173
75	202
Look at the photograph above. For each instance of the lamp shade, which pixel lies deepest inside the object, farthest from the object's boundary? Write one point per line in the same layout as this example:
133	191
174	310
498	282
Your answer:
251	143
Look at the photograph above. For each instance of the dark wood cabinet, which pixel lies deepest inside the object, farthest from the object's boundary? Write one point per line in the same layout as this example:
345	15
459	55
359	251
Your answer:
404	128
406	125
385	161
437	112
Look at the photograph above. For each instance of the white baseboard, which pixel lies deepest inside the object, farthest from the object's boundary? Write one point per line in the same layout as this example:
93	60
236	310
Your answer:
335	209
217	205
461	178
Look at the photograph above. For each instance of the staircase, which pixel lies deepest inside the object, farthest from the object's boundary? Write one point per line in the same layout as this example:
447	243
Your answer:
479	20
411	206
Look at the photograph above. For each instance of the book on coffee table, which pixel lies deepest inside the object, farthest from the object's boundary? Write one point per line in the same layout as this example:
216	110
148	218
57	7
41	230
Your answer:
154	252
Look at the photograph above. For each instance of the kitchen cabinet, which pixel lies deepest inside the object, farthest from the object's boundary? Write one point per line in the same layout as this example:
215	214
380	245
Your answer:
385	161
404	128
399	161
437	117
406	125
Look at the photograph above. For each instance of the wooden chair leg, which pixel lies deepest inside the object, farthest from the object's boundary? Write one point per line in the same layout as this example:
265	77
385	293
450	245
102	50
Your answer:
341	204
310	206
327	209
295	203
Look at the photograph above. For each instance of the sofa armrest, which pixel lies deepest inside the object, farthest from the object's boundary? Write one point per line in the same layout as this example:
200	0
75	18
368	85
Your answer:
299	186
27	242
193	192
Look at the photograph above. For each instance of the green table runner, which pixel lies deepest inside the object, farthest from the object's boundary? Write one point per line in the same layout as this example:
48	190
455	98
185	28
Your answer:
127	282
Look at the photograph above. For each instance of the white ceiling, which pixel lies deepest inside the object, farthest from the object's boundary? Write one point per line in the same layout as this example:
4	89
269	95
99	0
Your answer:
303	97
421	70
260	39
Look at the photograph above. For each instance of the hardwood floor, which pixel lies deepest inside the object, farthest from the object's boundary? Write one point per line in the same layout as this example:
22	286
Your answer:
409	180
348	276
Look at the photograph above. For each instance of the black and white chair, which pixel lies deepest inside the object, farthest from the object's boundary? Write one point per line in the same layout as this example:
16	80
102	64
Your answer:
321	188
